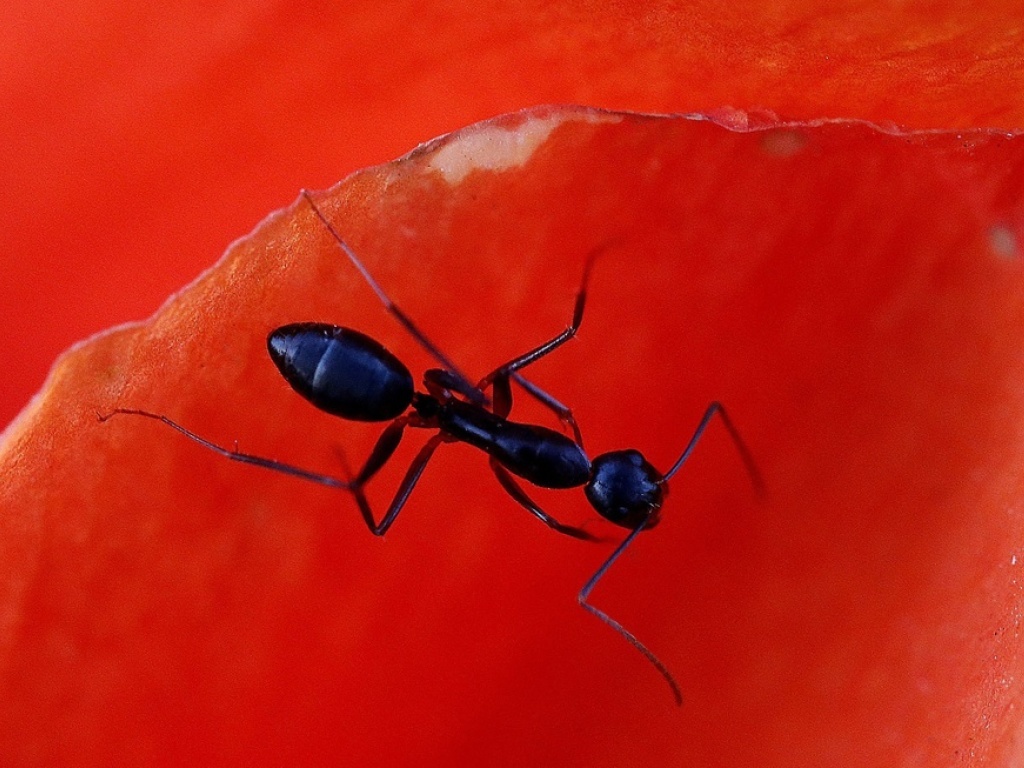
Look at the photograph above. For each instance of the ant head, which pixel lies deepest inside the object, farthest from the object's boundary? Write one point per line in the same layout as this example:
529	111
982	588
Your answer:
625	489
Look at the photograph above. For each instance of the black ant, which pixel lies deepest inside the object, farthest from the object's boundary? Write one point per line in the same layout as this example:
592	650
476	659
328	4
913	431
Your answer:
348	374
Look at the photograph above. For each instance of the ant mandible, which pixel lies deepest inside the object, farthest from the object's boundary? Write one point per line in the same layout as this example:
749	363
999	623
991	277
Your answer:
348	374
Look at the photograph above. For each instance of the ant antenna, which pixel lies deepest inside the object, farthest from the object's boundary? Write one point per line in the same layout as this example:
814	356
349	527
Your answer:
648	654
634	487
741	446
464	386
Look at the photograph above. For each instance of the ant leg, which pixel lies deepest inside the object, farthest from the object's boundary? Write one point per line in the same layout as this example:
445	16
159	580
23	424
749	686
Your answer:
589	587
551	345
245	458
408	483
741	446
386	445
502	405
511	368
465	387
513	489
563	412
501	395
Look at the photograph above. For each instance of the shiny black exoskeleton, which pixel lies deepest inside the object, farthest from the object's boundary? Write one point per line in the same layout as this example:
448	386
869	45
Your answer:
348	374
376	385
625	489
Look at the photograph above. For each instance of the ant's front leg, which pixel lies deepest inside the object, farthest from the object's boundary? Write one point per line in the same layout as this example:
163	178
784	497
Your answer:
513	489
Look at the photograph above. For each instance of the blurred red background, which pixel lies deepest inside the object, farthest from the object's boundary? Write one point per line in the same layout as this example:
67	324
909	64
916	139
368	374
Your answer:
139	141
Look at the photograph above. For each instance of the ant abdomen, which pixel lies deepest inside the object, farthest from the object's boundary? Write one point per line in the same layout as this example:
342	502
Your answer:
341	371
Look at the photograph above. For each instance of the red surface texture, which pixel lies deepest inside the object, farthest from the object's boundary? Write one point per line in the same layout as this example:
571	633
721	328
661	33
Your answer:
851	290
854	297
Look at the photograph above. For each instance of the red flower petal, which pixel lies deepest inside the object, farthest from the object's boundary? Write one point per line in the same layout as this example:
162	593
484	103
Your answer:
853	296
140	140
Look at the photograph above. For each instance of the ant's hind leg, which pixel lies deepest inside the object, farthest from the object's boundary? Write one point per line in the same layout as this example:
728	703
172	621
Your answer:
464	386
234	455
